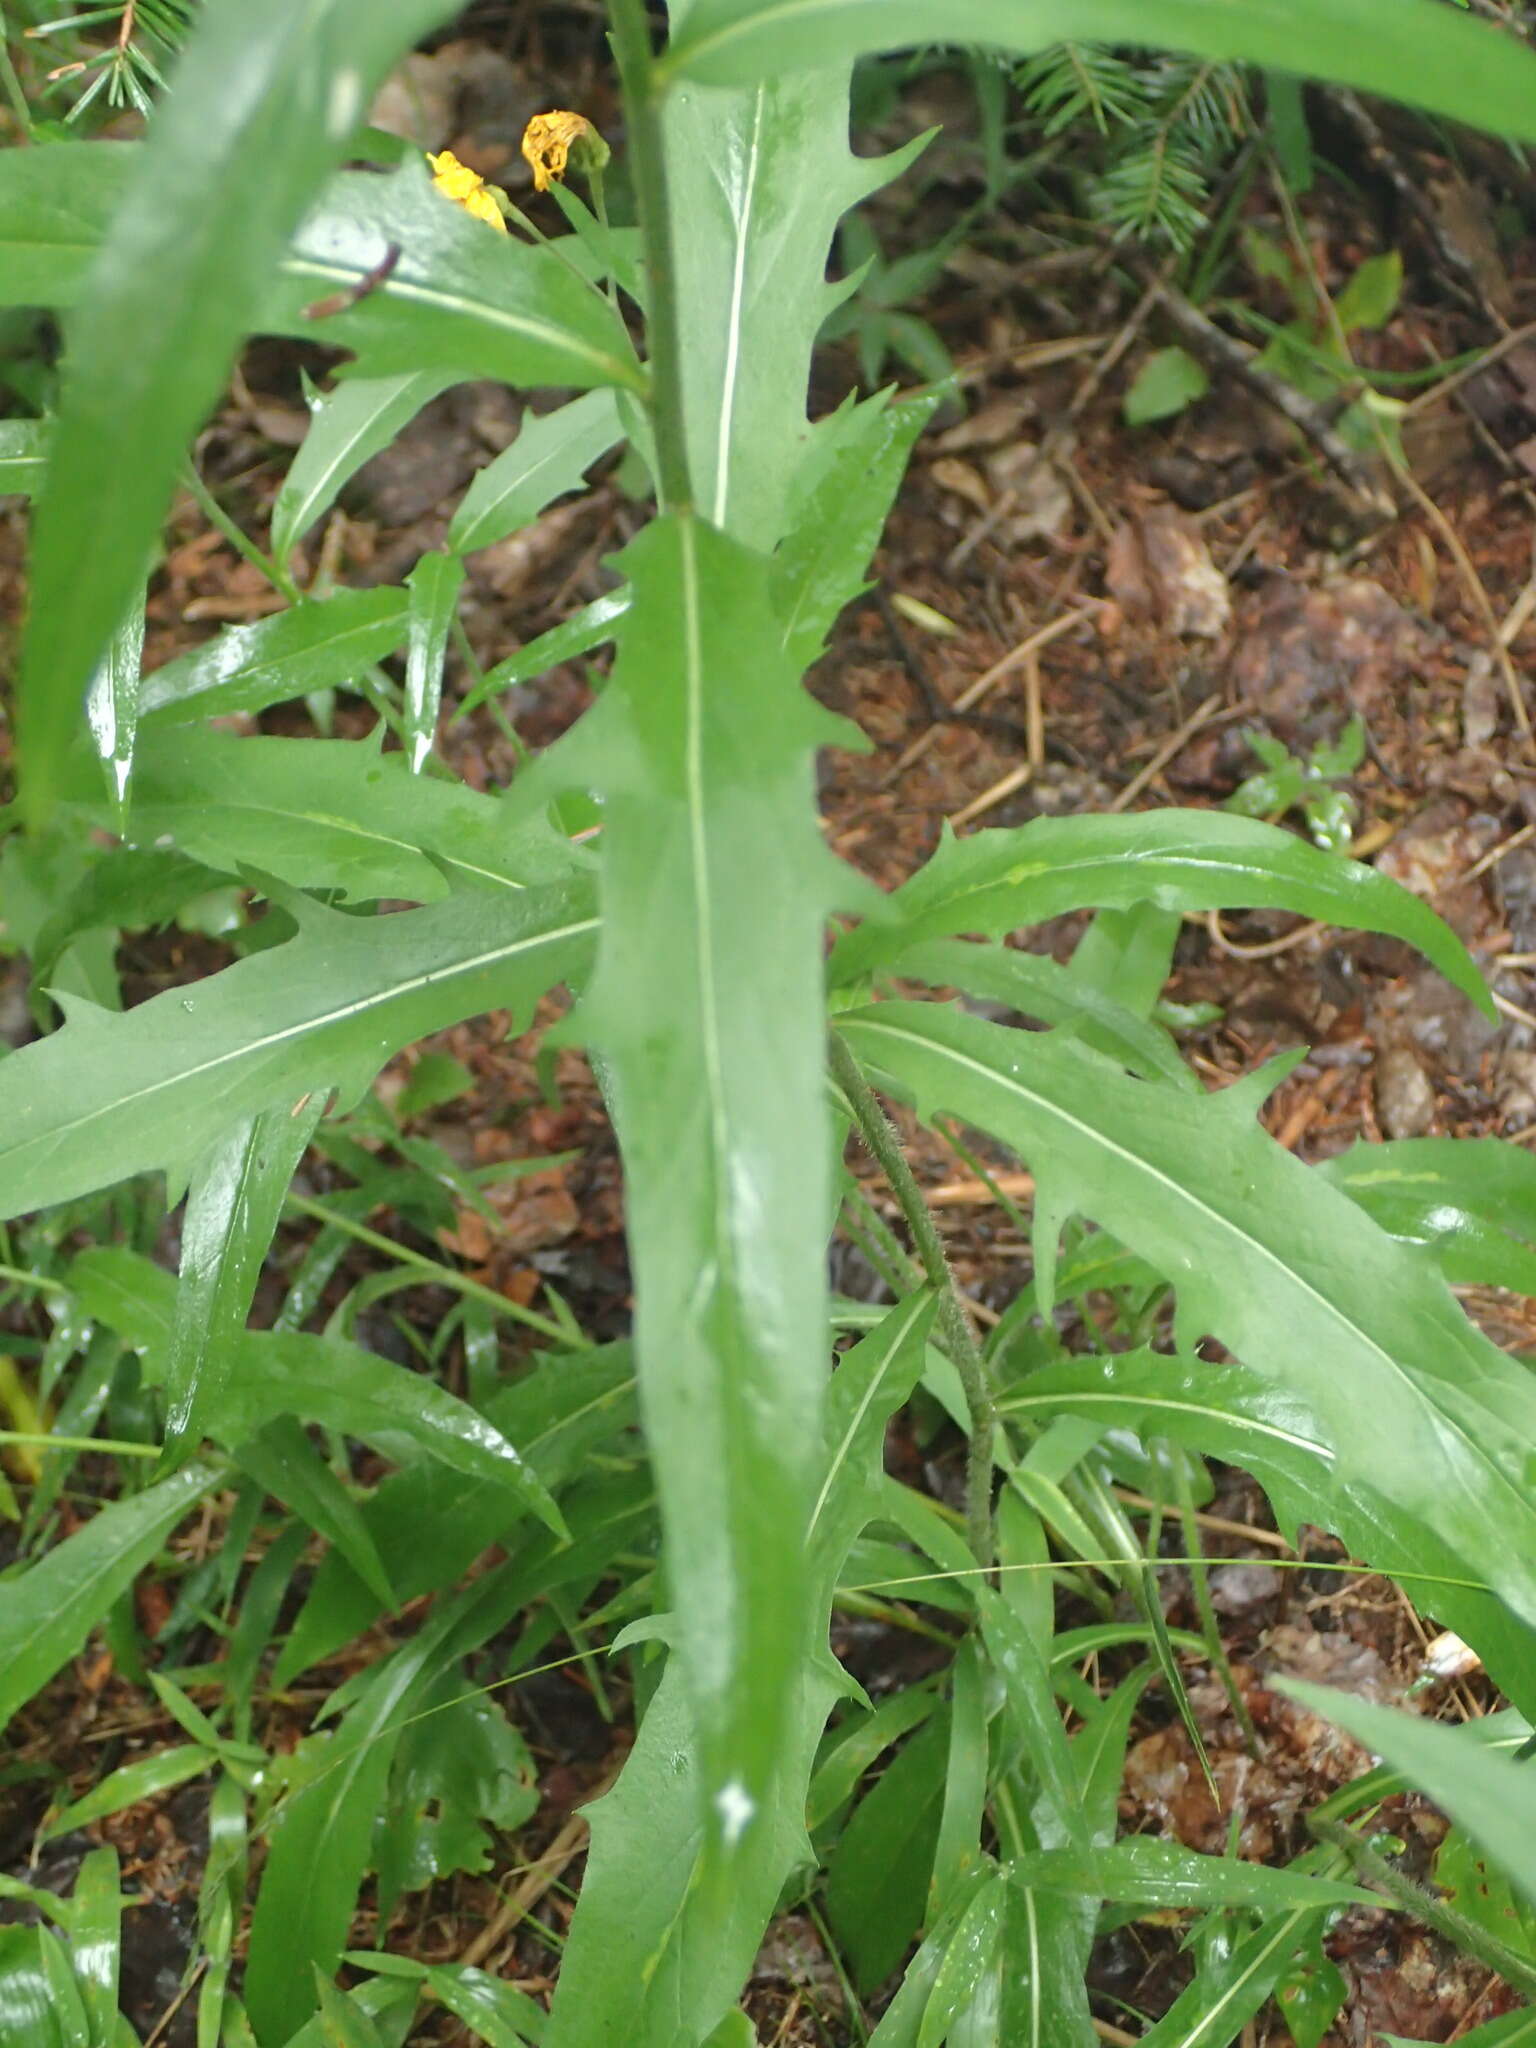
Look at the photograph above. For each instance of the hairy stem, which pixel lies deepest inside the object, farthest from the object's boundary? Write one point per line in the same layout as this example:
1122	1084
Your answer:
648	169
1455	1927
879	1135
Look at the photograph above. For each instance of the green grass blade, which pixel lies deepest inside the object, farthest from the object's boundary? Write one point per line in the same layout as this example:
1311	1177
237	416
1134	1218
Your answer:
23	454
434	584
51	1608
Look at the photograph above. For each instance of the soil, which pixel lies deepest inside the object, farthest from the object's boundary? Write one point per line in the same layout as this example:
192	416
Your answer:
1139	600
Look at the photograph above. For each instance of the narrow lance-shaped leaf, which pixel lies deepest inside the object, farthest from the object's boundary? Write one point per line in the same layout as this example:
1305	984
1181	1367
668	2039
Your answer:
654	1957
551	455
51	1608
995	881
434	583
113	1095
758	179
232	1209
311	646
1419	1410
323	814
263	106
1412	50
347	427
715	882
1492	1797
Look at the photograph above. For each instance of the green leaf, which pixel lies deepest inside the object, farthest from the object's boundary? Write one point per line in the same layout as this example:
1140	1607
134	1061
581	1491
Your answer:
839	499
495	2012
460	1767
51	1608
1234	1982
283	1462
1421	1412
877	1876
232	1207
758	179
550	456
645	1920
96	1943
264	106
714	879
1412	50
434	584
1038	986
112	704
311	646
1143	1871
971	1955
125	1787
1492	1797
1370	298
995	881
1510	2030
324	814
273	1374
1167	382
109	1096
590	627
349	425
1470	1202
23	454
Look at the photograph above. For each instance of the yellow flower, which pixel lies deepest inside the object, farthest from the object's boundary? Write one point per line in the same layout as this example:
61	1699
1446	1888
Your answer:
549	139
466	188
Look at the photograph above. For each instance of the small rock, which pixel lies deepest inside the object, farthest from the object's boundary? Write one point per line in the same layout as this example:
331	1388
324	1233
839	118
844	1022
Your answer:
1161	567
1405	1100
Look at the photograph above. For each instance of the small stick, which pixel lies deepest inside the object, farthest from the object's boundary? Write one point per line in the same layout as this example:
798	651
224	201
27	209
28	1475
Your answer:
1174	744
370	282
1230	357
973	693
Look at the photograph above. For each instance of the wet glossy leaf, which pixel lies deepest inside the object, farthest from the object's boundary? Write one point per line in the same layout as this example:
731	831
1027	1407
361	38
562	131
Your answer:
1409	49
645	1917
495	2012
995	881
109	1096
264	106
1471	1202
1420	1411
1143	1871
701	747
23	454
51	1607
125	1787
434	584
233	1203
349	425
327	814
550	456
312	646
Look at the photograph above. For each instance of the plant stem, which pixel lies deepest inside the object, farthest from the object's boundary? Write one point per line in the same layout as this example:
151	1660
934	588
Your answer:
648	169
1515	1969
879	1135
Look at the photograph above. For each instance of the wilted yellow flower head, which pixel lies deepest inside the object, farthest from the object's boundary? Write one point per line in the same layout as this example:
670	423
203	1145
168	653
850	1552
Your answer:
467	188
550	139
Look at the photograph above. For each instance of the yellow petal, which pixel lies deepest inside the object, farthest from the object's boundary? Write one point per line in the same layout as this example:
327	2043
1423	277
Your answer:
547	144
466	188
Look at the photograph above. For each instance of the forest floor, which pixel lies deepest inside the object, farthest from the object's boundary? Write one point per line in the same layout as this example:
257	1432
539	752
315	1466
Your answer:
1067	614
